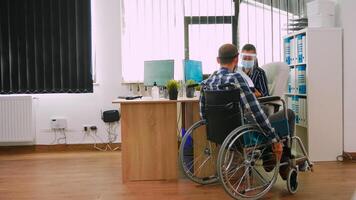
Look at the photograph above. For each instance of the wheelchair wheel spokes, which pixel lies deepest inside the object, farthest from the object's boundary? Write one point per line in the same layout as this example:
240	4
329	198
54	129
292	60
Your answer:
197	155
254	168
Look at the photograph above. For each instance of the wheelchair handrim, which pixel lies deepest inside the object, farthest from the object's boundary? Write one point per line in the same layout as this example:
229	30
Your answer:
187	171
232	137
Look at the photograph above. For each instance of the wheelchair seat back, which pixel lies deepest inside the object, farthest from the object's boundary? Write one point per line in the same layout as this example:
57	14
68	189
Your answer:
223	113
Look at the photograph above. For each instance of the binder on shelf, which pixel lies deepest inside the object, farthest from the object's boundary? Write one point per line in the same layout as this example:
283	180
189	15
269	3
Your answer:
295	108
291	81
292	51
303	111
304	49
301	79
295	53
287	51
300	47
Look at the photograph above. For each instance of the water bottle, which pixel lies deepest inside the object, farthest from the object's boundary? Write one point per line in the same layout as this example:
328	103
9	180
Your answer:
155	91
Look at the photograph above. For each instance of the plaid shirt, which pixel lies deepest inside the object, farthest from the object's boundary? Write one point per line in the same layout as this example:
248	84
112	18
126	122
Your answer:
248	99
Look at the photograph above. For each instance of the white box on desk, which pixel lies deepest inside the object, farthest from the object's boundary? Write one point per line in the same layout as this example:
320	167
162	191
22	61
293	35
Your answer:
321	21
321	7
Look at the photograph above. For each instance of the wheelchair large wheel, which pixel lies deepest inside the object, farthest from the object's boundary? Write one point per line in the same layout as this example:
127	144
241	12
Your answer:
197	155
247	167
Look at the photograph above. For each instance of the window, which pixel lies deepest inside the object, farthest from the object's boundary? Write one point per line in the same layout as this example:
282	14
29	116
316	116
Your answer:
195	29
263	23
174	29
200	46
45	46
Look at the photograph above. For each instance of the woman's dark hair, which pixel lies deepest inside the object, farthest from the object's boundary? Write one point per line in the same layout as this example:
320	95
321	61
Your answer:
249	47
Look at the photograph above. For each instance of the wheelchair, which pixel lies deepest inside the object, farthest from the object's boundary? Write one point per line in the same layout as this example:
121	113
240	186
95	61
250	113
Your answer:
226	148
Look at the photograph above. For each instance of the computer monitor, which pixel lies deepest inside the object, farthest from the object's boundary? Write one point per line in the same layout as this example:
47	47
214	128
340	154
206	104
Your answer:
193	70
159	71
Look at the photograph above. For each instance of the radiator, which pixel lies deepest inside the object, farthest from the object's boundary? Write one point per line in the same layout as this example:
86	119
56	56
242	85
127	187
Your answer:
16	119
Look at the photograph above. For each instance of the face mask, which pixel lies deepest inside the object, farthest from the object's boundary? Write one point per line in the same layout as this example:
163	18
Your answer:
247	64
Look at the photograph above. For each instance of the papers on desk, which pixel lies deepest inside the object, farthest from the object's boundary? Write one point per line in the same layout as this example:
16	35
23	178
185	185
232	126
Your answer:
246	77
299	106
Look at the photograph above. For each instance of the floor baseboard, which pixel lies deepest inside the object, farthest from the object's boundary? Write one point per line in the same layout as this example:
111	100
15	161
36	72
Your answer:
52	148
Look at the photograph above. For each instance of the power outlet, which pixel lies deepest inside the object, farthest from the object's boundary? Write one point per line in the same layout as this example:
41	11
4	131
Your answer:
88	128
93	128
58	123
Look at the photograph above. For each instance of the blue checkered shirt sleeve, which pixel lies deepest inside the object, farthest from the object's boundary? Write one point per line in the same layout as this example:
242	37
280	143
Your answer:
251	103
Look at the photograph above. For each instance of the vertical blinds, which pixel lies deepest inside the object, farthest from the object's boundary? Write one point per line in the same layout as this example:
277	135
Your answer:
45	46
263	23
174	29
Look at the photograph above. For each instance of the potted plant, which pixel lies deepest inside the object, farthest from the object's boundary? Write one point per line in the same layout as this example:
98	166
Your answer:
190	88
172	87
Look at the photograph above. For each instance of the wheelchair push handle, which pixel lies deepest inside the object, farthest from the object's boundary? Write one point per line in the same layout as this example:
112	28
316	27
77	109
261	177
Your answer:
262	100
228	85
269	99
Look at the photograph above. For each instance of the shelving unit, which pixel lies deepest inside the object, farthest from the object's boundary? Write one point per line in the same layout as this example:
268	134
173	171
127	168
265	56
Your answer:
295	94
319	116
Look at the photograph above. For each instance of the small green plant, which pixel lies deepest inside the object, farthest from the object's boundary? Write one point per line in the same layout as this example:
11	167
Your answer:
197	88
172	85
190	82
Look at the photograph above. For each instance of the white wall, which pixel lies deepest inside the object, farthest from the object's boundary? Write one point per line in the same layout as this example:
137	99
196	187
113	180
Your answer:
345	18
347	22
82	109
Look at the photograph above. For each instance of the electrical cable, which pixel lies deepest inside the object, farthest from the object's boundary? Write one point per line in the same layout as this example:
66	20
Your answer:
55	136
63	137
60	137
345	157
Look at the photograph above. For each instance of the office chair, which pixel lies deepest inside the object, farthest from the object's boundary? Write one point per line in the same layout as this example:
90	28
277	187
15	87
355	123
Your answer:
277	77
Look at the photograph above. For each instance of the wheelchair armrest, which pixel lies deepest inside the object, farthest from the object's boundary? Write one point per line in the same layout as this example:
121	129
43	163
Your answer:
274	104
268	99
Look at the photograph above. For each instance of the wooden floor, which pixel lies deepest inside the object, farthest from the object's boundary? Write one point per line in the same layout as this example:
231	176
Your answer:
97	176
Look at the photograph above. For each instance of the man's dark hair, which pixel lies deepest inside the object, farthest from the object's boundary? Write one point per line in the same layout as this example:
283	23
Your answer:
227	53
249	47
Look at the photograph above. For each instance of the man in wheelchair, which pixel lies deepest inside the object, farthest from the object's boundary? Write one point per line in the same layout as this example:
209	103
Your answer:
228	59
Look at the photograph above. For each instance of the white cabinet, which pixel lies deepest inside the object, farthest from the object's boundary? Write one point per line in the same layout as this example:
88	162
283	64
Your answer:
314	56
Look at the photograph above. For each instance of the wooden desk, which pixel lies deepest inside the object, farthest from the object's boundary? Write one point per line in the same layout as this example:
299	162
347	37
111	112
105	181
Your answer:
149	137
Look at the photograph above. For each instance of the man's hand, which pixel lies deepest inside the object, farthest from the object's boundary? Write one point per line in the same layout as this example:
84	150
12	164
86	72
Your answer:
277	148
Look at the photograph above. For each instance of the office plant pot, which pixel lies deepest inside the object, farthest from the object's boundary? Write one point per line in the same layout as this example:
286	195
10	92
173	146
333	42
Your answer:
173	94
190	92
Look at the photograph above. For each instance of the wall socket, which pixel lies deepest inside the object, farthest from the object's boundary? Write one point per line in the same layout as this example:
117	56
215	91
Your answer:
88	128
58	123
